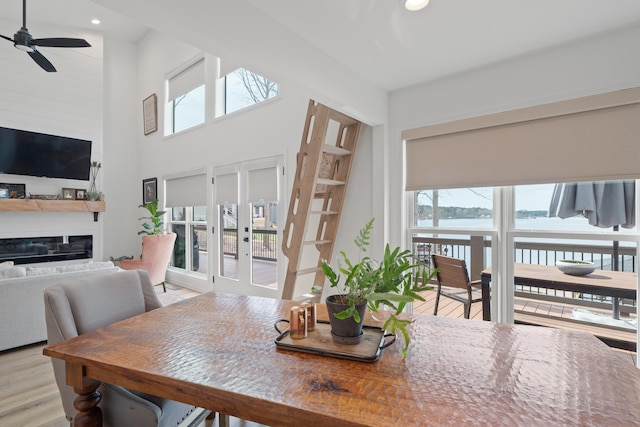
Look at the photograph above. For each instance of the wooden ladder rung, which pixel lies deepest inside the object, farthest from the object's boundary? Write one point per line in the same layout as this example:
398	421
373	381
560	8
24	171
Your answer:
308	270
317	242
324	212
335	150
323	181
313	297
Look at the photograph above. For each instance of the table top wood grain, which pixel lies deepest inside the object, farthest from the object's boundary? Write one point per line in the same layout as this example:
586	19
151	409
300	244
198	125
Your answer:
217	351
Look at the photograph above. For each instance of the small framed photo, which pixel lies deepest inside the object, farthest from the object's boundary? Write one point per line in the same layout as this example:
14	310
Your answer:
150	114
16	191
149	190
81	194
4	193
68	194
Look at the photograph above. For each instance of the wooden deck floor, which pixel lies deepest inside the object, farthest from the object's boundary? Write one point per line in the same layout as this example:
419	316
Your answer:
446	308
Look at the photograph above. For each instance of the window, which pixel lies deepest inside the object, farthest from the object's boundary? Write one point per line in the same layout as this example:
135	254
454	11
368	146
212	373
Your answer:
456	222
187	198
530	224
186	98
243	88
190	225
454	208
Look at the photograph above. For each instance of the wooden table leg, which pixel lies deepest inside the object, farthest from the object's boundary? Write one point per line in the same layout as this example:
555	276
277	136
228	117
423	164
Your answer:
486	297
89	414
616	307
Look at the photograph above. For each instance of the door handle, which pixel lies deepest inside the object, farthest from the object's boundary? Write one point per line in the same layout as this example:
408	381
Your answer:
246	239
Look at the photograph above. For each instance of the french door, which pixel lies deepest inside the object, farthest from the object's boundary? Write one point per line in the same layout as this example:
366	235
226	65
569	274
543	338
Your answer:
248	230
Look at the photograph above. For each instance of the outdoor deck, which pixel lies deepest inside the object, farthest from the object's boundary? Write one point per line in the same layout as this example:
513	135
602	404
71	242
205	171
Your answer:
446	308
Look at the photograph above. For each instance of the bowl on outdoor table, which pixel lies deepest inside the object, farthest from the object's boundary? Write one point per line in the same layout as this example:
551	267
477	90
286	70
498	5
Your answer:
575	267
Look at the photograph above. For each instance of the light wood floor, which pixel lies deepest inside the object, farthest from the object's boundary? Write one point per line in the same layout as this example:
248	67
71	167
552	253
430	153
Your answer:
28	392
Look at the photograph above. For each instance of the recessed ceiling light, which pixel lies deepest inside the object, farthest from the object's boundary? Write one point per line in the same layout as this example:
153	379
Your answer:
414	5
95	21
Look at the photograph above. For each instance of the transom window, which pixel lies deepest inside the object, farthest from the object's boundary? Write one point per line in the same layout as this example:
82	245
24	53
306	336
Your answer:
243	88
186	98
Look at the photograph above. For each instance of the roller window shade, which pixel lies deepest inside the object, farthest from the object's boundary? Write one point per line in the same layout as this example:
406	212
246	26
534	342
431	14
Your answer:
187	191
187	80
596	144
226	189
263	185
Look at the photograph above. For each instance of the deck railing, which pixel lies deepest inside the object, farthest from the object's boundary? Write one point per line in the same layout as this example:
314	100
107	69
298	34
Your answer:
475	251
264	244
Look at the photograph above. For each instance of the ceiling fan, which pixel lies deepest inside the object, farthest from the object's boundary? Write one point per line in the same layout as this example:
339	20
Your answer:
23	41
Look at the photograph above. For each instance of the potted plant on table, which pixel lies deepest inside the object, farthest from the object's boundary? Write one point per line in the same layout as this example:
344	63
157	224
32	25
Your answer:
392	282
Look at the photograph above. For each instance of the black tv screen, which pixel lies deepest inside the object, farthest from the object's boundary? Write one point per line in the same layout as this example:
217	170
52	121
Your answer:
42	155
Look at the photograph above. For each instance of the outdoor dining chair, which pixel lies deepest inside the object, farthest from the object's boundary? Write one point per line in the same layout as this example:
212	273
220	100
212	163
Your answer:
453	282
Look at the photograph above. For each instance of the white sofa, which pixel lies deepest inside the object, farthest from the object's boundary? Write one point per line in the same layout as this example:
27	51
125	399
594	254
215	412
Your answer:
22	298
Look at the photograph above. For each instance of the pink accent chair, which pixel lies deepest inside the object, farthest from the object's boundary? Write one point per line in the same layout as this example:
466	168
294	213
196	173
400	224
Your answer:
156	255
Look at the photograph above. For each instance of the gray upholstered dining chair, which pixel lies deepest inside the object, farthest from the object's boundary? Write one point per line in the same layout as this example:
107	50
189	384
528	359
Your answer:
84	305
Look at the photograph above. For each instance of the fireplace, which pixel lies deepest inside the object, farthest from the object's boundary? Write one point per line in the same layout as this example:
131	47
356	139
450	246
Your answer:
30	250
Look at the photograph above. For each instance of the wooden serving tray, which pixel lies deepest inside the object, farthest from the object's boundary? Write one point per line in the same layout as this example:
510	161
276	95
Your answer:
319	341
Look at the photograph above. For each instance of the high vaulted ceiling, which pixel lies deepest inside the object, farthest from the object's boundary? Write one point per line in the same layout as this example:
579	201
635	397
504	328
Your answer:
379	40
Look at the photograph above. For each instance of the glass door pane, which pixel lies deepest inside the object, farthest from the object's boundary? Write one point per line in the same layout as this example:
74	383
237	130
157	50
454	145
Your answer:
264	244
228	265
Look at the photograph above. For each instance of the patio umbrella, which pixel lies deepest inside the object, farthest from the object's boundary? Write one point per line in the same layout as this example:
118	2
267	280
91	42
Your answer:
604	203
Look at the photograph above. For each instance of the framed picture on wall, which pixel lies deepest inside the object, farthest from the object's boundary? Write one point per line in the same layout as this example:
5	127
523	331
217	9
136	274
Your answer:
150	114
149	190
68	194
16	191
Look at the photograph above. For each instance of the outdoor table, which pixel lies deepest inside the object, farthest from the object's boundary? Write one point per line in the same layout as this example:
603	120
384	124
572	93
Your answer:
616	284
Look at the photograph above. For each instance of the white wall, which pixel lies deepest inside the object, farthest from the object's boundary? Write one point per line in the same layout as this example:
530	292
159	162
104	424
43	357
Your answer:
596	65
67	103
272	128
120	165
234	35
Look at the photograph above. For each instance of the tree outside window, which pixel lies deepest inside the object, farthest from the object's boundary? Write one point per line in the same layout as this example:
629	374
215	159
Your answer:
244	88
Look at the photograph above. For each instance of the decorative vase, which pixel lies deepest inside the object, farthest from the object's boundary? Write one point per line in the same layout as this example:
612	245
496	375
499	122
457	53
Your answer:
95	169
344	331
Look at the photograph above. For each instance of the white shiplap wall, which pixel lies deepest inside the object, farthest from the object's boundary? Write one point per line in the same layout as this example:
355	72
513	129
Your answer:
67	103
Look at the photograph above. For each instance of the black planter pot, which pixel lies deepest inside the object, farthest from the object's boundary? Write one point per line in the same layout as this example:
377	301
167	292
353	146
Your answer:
344	331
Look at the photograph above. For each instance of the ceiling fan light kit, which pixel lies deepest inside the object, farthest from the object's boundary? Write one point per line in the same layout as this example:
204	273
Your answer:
414	5
22	40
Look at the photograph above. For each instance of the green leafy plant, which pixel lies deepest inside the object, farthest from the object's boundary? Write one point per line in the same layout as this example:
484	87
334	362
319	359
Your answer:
394	281
155	216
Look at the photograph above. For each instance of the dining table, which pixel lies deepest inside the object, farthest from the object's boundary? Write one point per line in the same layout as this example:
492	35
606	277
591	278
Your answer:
220	352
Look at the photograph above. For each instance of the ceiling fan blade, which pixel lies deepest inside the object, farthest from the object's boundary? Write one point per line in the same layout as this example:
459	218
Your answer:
42	61
60	42
6	38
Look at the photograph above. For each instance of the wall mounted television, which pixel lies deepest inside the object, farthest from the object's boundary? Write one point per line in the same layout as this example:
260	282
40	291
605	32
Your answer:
42	155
